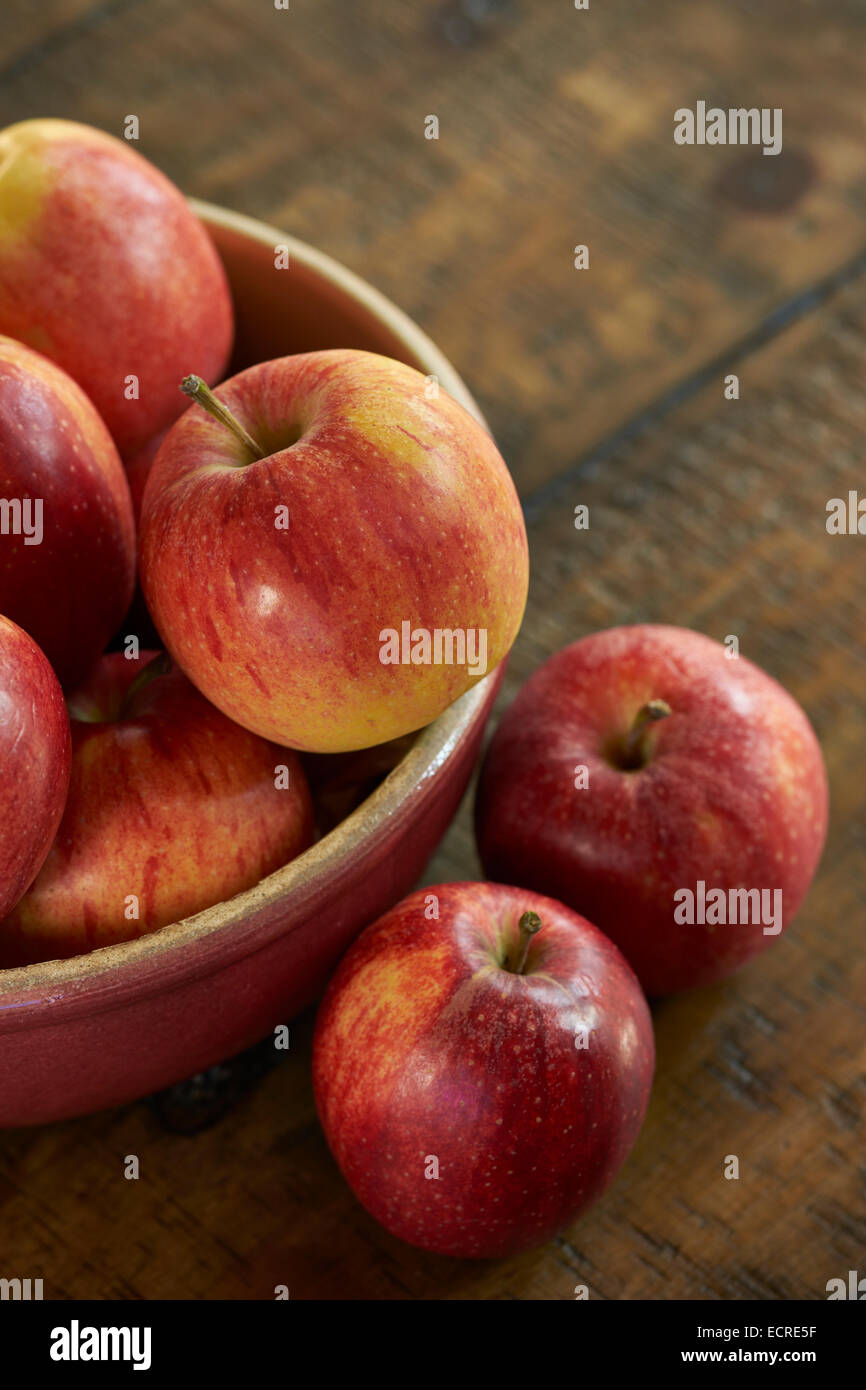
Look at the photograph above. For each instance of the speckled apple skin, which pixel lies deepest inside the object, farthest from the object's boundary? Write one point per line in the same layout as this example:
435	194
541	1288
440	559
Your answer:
401	509
138	471
171	802
71	591
734	794
425	1047
105	269
34	761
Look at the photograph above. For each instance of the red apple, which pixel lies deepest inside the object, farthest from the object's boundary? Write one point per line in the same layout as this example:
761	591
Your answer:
67	537
105	268
641	770
34	761
138	471
171	808
138	619
478	1097
305	591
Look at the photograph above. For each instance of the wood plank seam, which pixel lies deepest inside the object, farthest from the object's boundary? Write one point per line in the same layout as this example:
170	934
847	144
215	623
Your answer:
792	311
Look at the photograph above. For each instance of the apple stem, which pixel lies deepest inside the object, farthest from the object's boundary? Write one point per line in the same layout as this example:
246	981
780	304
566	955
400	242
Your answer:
158	666
528	925
648	714
200	392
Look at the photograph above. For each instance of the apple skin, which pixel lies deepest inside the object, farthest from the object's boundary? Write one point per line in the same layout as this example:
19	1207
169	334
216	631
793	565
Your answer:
138	620
424	1046
34	761
168	800
72	590
400	510
105	269
138	471
734	793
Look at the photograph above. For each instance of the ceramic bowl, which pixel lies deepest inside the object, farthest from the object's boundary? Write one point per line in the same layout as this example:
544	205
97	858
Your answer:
105	1028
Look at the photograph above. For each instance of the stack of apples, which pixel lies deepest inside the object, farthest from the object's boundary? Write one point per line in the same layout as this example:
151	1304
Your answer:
484	1053
150	734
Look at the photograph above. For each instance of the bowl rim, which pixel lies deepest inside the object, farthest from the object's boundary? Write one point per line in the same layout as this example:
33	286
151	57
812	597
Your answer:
162	959
332	270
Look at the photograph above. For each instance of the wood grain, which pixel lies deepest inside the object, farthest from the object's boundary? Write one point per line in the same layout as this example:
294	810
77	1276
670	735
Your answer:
555	127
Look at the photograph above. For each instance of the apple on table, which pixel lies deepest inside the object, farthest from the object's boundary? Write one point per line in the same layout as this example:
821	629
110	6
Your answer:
171	808
482	1062
641	763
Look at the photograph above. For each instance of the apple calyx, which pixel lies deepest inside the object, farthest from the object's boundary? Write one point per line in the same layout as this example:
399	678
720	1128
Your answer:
529	924
633	752
200	392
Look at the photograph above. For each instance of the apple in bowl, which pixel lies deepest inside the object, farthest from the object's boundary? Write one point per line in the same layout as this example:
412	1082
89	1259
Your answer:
338	556
34	761
105	269
171	808
67	537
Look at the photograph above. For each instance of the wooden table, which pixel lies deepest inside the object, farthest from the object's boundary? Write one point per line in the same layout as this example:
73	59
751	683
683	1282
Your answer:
605	387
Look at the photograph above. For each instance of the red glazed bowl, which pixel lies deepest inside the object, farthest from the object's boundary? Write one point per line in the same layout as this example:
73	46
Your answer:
103	1029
